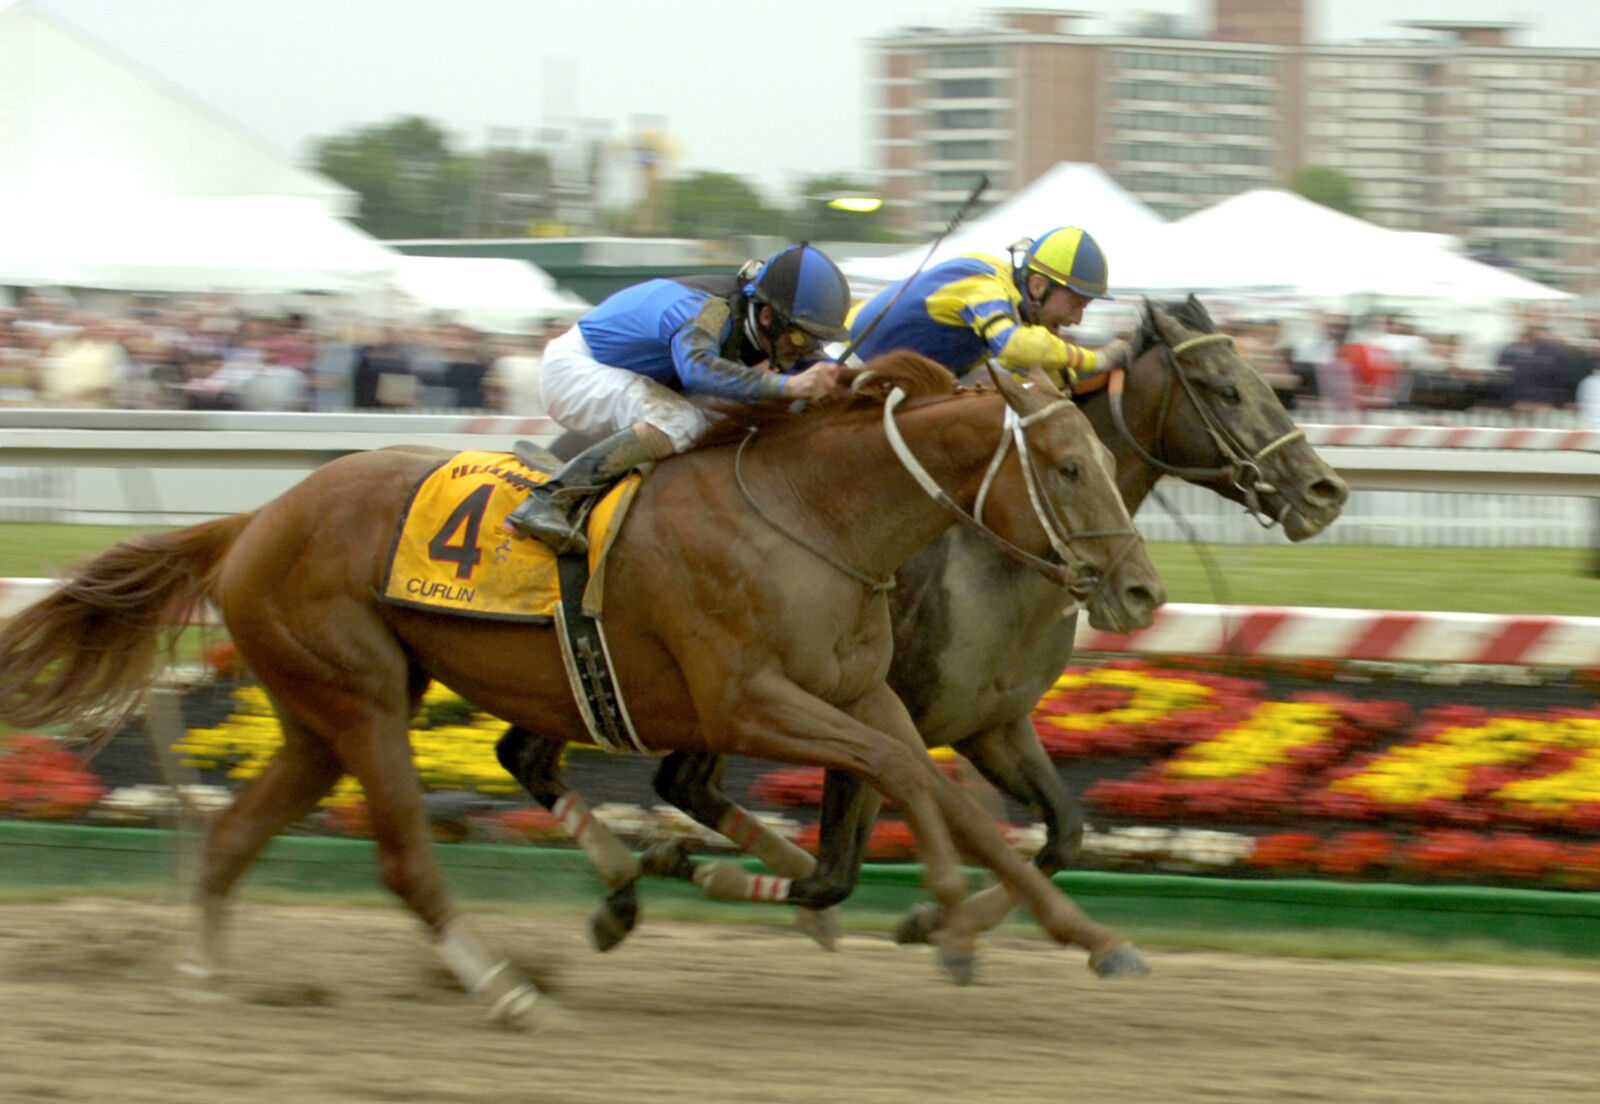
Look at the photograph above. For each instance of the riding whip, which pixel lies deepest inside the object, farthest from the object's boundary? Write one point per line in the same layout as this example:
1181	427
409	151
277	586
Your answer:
955	220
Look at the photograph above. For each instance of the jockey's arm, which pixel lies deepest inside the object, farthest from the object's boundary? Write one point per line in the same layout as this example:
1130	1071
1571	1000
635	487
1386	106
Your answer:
703	370
989	305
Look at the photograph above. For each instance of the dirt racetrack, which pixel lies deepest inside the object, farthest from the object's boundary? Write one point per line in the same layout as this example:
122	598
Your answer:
343	1004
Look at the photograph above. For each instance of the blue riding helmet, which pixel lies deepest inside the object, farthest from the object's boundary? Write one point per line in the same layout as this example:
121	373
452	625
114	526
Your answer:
805	289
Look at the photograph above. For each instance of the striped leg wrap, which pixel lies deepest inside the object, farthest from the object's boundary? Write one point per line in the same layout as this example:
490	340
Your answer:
778	854
727	882
611	858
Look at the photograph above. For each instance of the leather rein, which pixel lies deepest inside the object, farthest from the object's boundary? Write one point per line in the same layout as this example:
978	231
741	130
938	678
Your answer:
1243	468
1072	572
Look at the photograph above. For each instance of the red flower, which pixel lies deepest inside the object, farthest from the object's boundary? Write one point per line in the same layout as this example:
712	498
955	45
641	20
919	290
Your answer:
1356	853
1284	851
41	780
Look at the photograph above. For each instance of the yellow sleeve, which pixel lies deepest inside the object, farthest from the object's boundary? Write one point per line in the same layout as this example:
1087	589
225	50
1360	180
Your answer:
1062	360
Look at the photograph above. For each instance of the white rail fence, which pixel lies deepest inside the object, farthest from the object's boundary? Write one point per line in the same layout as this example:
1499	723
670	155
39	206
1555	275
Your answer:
1524	482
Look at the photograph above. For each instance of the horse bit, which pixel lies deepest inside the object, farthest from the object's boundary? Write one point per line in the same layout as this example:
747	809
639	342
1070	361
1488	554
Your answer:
1243	469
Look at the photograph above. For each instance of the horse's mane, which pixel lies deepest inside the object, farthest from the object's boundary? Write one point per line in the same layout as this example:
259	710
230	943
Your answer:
1189	313
916	375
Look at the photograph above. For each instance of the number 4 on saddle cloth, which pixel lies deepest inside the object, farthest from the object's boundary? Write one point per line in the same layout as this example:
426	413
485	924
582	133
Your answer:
451	554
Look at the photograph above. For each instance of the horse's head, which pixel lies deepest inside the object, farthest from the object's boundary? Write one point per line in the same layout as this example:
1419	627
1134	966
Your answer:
1057	498
1194	408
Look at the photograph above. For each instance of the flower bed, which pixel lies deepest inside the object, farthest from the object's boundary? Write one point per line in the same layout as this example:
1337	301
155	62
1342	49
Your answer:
1180	768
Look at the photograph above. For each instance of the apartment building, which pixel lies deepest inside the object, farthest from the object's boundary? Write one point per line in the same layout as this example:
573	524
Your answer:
1450	128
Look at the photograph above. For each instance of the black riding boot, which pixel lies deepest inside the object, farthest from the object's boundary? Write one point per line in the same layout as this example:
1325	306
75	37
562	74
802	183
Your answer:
545	512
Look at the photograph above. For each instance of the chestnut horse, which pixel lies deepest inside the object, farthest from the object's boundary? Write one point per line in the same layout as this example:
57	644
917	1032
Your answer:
746	614
978	639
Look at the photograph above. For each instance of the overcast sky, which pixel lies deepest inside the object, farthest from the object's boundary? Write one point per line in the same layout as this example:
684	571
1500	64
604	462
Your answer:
771	90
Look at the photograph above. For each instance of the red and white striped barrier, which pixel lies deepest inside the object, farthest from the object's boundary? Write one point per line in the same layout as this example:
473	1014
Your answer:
16	593
1454	437
1378	635
1361	436
1276	632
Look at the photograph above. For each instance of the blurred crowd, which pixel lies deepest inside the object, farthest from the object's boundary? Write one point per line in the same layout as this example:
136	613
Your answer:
1342	365
210	355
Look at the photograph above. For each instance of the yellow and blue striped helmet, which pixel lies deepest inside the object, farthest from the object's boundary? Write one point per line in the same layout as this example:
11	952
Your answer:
1069	256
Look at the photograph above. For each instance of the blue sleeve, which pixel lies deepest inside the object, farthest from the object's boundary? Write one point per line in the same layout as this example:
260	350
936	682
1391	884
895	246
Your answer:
703	370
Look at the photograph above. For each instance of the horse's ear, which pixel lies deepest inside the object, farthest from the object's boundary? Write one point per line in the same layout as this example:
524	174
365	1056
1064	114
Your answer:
1022	399
1167	328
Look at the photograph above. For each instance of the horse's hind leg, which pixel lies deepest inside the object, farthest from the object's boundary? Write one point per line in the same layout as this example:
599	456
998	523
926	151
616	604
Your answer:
536	763
692	781
299	775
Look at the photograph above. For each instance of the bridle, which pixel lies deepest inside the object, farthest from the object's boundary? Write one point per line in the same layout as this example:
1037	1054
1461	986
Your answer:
1243	468
1071	572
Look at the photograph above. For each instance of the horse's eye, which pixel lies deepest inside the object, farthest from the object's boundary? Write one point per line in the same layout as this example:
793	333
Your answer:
1069	470
1229	393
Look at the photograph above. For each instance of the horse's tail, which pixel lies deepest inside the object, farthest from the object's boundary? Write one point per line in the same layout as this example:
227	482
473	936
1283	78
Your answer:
86	653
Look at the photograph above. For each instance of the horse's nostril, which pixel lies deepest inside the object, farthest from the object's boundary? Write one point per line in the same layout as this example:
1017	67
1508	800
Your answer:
1145	598
1329	491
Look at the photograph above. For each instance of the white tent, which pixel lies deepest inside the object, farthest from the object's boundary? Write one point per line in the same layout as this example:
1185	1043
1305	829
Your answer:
80	122
492	294
1070	194
248	244
113	180
1272	241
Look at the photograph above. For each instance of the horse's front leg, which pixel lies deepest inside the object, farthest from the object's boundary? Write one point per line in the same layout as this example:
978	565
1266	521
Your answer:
775	719
535	762
692	781
1011	758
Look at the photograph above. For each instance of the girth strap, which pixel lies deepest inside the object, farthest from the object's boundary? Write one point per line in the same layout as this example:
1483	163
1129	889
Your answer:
588	662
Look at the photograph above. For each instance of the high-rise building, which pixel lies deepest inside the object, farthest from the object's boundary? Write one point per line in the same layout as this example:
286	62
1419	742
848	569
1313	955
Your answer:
1452	129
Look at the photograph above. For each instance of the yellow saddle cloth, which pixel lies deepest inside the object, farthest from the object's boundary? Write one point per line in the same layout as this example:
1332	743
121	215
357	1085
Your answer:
451	553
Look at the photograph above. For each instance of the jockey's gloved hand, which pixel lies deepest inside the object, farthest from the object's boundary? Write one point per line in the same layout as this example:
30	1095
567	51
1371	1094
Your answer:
1115	354
813	383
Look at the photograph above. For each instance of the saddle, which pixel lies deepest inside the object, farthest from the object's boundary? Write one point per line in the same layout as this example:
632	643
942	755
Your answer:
452	554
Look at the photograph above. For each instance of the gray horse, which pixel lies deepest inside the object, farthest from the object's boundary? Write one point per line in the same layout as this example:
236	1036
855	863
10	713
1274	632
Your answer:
978	639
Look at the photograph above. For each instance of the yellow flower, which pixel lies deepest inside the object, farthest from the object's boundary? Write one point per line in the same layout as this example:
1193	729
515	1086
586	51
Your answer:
449	756
1153	697
1442	767
1265	738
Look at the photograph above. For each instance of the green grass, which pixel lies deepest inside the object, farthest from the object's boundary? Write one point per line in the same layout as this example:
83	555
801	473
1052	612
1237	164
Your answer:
1549	581
1469	580
30	549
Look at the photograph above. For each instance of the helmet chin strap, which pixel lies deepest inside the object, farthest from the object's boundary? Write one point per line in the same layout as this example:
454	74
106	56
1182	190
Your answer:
1026	306
768	345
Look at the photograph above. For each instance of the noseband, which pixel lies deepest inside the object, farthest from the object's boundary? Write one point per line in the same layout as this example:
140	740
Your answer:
1072	572
1243	468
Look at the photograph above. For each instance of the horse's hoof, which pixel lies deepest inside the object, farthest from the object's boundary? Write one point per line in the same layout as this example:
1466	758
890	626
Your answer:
523	1009
822	925
667	859
962	966
614	917
1121	961
200	985
919	923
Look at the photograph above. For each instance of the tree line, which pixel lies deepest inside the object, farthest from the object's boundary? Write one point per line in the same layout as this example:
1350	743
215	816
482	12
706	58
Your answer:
415	183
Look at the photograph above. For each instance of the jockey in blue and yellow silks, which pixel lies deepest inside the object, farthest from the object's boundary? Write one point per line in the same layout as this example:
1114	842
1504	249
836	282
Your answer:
969	309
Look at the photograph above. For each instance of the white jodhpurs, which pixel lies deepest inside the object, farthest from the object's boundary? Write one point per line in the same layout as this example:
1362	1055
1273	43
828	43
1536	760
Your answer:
589	397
